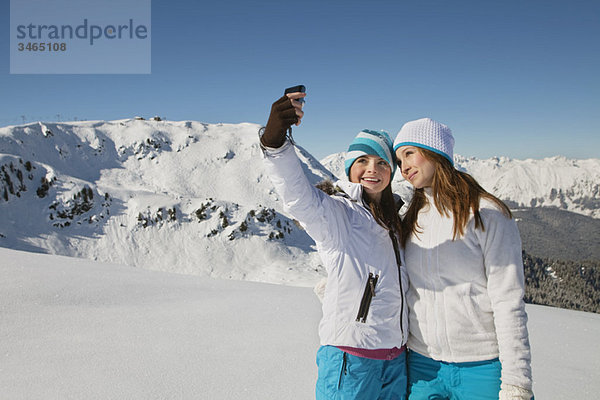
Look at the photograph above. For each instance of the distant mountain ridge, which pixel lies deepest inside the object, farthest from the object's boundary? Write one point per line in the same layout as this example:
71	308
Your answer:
552	233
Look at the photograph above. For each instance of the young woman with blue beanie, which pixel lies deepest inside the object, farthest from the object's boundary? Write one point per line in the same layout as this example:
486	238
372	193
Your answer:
468	327
364	328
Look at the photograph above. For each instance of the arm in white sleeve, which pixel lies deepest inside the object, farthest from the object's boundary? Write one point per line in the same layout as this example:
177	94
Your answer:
324	219
501	245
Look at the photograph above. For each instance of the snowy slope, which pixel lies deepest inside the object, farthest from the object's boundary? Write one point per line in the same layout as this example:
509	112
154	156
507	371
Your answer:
572	185
76	329
183	196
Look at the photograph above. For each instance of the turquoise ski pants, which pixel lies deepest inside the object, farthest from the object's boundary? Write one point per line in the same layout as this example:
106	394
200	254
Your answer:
343	376
429	379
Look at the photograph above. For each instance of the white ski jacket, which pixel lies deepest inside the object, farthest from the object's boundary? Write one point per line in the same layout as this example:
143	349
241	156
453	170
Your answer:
357	253
466	295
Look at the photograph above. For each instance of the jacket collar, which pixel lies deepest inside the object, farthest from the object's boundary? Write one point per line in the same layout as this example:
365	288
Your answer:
352	190
428	193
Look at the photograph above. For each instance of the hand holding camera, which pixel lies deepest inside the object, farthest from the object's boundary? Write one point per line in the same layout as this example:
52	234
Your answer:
285	112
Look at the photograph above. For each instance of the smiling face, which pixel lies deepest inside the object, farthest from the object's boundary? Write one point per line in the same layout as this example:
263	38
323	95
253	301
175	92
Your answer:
415	167
373	173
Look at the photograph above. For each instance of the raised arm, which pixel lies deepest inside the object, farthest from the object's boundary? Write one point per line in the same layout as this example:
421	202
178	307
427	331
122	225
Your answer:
285	112
324	219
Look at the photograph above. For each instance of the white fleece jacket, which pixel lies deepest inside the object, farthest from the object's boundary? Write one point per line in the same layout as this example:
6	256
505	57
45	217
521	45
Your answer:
352	245
466	295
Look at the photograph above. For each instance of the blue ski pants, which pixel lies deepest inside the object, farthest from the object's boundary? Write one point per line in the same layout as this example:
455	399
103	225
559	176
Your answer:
429	379
343	376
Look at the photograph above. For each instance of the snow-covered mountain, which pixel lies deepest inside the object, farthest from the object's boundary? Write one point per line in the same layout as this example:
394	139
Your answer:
193	198
572	185
183	196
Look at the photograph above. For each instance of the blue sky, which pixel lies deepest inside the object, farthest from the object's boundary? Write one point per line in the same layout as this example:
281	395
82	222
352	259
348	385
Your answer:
510	78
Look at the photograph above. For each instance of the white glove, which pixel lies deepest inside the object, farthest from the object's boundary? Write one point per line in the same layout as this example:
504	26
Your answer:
512	392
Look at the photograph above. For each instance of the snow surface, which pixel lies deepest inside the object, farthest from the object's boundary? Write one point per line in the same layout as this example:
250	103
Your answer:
77	329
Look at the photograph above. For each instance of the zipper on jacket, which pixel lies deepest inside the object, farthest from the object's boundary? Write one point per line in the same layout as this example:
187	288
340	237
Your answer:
368	295
399	264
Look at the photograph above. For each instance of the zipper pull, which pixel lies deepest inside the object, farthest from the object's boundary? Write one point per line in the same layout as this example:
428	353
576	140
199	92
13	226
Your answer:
372	284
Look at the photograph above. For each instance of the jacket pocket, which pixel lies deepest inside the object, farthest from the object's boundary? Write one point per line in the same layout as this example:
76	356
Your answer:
368	294
475	305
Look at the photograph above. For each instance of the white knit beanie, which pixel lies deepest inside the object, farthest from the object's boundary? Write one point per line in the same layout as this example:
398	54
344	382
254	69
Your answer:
427	134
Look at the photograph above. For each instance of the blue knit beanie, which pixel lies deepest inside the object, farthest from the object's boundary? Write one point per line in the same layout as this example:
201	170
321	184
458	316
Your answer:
427	134
375	143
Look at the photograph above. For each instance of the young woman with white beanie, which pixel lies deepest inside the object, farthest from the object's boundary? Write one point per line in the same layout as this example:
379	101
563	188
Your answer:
468	334
364	328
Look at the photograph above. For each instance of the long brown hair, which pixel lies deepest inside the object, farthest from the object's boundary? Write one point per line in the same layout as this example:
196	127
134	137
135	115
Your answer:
385	211
455	193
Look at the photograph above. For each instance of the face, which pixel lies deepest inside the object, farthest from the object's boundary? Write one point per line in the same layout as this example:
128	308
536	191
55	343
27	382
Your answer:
414	167
373	173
